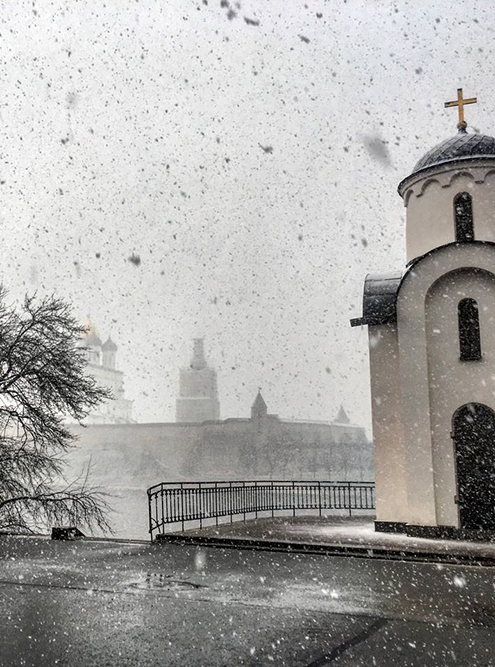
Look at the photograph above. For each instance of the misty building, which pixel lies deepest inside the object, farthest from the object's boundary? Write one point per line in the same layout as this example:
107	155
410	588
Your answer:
198	392
101	364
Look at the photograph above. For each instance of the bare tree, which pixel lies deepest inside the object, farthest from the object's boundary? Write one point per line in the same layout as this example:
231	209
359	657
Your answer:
42	381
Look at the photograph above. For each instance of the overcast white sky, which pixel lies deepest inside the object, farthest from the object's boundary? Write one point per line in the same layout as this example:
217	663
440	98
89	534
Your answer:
138	127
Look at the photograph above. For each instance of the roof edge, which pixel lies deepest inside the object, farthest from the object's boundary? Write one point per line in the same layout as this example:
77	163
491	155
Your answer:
380	305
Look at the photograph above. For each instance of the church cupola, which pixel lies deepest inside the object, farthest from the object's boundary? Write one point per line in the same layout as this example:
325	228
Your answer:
449	194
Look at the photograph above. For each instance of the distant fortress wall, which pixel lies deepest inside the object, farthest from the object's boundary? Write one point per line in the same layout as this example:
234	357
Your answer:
268	447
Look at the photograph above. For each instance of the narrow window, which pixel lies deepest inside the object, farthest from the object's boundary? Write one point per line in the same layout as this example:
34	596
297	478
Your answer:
469	330
463	213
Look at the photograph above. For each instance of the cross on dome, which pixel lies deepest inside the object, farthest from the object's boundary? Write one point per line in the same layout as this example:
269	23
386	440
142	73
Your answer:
459	103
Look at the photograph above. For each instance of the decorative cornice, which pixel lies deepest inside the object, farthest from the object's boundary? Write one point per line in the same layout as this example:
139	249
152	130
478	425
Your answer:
444	177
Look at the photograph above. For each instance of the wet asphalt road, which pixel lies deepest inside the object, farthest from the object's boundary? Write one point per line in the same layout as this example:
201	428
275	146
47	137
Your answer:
105	603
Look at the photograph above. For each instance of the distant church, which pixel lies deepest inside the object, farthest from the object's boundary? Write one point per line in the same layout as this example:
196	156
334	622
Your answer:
101	364
432	347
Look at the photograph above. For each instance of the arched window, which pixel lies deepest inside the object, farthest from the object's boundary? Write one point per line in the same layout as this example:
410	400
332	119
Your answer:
469	330
463	215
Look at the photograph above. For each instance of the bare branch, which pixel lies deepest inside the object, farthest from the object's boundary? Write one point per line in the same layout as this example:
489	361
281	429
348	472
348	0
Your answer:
43	379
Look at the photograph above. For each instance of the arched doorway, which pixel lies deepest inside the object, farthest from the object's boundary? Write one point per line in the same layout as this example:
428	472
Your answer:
474	439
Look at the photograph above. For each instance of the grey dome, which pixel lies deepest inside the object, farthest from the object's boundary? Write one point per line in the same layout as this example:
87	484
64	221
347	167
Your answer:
461	147
109	345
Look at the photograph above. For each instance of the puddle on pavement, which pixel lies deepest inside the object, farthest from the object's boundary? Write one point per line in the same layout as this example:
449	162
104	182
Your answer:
163	582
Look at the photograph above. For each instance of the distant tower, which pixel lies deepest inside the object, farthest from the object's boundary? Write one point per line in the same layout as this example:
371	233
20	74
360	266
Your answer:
259	408
198	394
108	350
342	417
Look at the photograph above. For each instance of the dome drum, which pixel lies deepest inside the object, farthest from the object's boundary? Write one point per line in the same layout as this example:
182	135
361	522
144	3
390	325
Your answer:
460	167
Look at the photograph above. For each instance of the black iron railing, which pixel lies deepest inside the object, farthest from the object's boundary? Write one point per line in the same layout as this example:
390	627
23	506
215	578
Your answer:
179	502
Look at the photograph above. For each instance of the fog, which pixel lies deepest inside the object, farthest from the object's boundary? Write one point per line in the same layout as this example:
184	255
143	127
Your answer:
186	168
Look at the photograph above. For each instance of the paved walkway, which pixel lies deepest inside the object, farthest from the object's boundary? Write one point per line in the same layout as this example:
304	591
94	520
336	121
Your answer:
352	536
112	604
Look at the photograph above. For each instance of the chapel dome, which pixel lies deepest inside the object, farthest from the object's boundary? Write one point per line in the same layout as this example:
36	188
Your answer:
462	146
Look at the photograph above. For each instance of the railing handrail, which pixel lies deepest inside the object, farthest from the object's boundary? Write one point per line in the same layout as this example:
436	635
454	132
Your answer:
258	481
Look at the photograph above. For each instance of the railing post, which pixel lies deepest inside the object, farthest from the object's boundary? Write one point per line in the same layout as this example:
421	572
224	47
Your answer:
256	500
156	512
244	499
350	504
200	506
216	503
230	503
149	516
182	504
319	498
272	499
163	508
293	499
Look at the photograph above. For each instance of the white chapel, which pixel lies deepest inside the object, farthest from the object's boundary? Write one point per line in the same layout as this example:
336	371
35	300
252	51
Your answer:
432	347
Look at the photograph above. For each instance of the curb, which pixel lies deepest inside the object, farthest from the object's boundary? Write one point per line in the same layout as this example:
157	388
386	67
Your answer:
340	550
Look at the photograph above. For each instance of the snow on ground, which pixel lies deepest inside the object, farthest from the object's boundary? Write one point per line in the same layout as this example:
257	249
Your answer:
340	531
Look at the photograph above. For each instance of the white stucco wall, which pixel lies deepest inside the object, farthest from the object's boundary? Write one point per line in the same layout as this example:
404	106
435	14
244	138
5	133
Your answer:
434	383
390	473
453	382
430	210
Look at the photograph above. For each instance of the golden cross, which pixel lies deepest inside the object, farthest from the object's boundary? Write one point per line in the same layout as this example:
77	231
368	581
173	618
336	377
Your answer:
460	102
